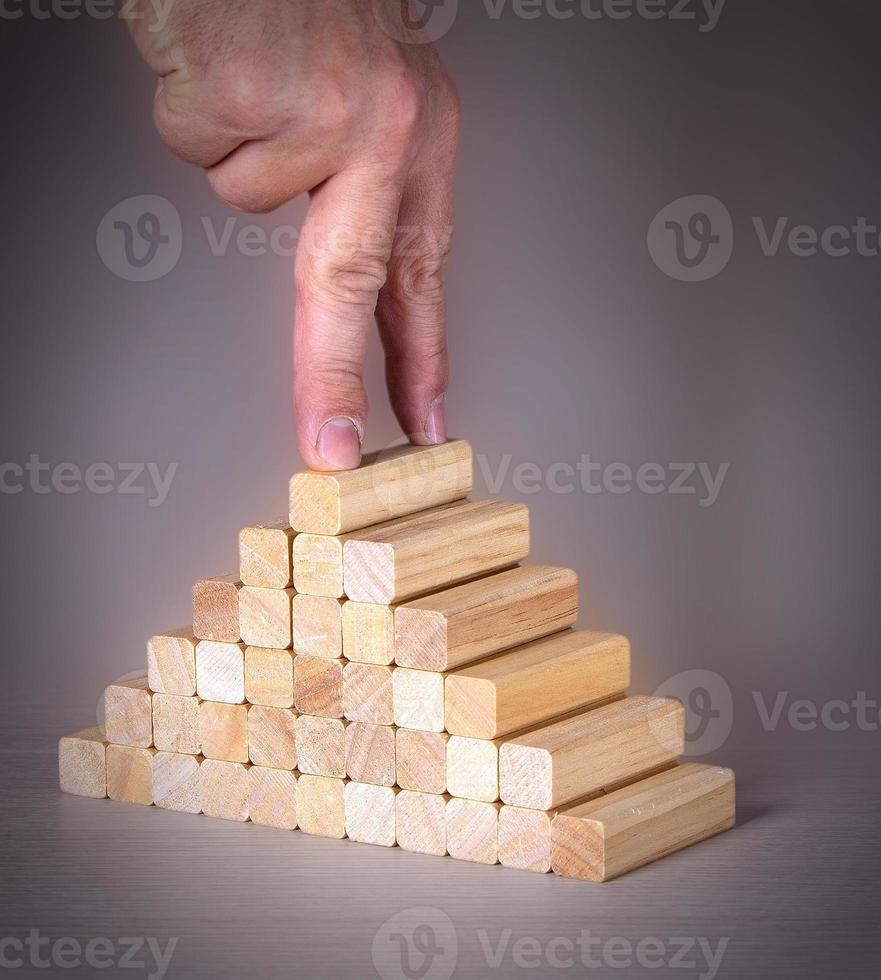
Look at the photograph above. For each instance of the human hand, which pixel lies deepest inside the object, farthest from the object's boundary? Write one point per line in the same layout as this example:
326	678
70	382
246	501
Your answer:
274	98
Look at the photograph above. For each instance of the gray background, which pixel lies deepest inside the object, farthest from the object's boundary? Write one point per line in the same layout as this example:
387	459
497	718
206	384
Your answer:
566	339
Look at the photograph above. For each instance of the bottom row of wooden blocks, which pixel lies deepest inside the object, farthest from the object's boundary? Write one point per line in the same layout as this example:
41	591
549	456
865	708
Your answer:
597	839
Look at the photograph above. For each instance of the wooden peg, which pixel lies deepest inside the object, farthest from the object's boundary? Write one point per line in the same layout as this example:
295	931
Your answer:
176	782
623	830
421	822
525	838
321	807
220	671
590	752
370	753
318	686
450	629
473	831
216	608
321	746
128	713
82	763
370	813
473	768
386	485
269	677
176	724
404	558
535	682
265	617
421	760
272	797
369	633
418	699
368	693
223	789
272	737
223	731
265	555
318	565
318	626
130	774
171	662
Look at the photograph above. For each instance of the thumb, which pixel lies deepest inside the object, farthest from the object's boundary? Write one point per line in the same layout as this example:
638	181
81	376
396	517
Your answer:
342	263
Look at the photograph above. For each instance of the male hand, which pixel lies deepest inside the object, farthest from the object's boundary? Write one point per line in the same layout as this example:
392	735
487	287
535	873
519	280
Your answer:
274	98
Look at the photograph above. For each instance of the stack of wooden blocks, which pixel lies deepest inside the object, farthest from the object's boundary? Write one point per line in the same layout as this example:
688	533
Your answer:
382	668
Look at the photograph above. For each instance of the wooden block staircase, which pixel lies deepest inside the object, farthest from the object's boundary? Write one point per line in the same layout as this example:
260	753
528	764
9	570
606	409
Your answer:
383	668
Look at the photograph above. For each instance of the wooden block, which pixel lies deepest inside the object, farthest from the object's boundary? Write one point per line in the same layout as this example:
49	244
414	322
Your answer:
647	820
535	682
404	558
82	763
216	608
272	738
272	797
318	686
130	774
223	789
370	754
321	808
318	565
473	768
128	713
418	699
265	616
176	782
220	671
369	633
386	485
368	693
223	731
269	677
449	629
321	746
590	752
370	814
421	760
176	724
171	662
525	838
473	831
421	822
265	555
318	625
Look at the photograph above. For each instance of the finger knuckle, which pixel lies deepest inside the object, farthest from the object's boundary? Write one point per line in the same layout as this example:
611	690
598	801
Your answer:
350	276
407	104
418	272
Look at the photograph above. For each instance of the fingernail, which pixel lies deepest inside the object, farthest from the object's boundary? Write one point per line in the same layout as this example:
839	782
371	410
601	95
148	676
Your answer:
436	423
338	444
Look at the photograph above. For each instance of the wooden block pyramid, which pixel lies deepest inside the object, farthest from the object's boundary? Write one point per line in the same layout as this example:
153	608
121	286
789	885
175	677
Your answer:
383	668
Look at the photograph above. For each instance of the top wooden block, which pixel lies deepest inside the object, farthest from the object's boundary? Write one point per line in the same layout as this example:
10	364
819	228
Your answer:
386	485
